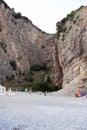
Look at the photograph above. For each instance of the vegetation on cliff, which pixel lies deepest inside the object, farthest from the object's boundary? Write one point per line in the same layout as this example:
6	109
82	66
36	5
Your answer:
61	28
38	78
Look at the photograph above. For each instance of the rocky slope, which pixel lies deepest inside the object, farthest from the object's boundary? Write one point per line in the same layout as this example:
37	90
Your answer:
22	45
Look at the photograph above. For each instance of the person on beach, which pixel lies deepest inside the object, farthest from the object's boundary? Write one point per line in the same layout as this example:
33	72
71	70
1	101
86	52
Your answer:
9	92
79	93
30	91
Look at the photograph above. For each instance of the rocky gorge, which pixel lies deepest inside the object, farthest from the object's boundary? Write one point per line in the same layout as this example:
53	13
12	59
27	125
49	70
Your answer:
23	45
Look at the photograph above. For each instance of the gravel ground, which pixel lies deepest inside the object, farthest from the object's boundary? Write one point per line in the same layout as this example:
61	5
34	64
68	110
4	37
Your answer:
38	112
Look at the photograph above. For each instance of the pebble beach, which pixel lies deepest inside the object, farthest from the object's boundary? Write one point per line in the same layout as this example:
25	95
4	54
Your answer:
24	111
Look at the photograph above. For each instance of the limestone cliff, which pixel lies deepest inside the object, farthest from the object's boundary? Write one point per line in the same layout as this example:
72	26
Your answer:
22	44
72	48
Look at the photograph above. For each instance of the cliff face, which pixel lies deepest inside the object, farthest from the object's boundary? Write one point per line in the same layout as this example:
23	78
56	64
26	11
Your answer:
22	44
72	47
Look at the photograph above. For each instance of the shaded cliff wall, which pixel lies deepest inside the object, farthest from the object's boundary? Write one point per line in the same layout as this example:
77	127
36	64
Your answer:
56	73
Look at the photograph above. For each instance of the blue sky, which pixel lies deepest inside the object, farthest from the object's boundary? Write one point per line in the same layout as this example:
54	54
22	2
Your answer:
45	13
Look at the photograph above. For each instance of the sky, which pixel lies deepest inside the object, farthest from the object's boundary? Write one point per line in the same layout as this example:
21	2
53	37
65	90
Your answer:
45	13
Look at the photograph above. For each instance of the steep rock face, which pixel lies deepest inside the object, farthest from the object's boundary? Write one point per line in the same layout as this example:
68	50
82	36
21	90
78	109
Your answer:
72	47
22	44
53	62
